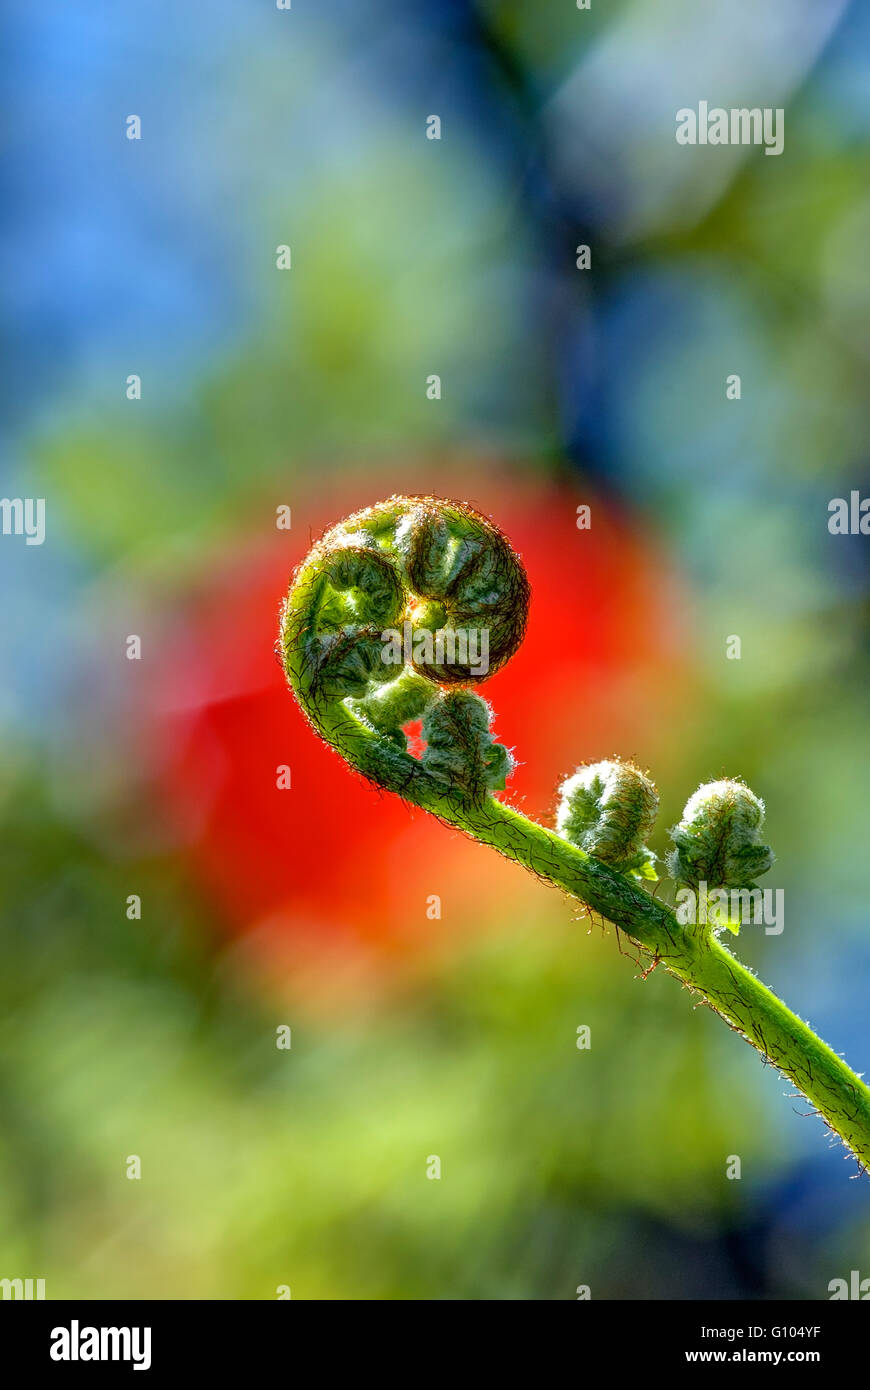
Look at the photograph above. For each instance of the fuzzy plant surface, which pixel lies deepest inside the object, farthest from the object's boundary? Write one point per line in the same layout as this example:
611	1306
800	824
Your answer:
385	623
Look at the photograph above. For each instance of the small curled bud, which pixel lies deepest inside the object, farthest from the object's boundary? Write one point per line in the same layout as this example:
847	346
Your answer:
460	749
462	580
608	809
718	841
376	632
354	596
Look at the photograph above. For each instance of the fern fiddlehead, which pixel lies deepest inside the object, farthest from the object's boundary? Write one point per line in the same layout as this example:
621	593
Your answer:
391	618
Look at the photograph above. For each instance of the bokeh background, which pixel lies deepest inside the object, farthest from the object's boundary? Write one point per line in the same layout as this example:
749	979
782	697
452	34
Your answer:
305	388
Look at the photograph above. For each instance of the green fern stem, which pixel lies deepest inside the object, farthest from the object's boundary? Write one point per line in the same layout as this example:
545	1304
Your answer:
691	953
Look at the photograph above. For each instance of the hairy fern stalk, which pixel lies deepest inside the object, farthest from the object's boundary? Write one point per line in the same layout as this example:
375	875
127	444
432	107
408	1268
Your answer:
391	618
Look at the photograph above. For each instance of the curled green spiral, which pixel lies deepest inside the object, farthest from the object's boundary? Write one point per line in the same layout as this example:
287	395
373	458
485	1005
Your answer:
391	616
718	840
371	639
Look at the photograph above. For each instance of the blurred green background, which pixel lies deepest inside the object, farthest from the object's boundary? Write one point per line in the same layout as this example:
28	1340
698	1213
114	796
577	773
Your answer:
413	1036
